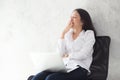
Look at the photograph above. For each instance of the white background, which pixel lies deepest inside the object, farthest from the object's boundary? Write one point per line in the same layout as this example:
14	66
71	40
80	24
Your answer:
33	26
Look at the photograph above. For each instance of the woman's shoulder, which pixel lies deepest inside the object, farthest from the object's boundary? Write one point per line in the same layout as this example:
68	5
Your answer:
89	32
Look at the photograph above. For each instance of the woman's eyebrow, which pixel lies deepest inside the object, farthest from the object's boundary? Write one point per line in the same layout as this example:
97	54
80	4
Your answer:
74	15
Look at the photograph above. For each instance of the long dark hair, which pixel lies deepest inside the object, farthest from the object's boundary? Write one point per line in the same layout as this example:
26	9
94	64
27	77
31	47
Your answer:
86	19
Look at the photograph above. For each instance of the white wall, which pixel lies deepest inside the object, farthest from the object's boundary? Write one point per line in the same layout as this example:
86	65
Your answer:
33	26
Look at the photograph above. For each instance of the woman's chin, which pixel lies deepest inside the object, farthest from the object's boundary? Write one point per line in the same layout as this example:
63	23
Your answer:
74	30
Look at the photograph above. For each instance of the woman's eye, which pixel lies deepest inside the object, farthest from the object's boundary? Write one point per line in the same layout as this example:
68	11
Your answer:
74	17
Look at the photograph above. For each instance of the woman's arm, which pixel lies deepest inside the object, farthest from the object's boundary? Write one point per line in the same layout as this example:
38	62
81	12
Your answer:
87	47
61	42
67	28
61	47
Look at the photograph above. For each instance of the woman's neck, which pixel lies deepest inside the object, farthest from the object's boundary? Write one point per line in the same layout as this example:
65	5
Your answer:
77	29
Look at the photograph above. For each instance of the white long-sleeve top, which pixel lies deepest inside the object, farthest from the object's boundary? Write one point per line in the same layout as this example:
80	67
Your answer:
79	50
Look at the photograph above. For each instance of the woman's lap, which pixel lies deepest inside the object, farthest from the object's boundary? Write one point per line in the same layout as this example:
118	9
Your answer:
77	74
42	75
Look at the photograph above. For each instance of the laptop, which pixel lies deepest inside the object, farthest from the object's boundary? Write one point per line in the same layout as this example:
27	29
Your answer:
48	61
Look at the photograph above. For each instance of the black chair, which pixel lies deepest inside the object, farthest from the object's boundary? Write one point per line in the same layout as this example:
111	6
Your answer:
99	66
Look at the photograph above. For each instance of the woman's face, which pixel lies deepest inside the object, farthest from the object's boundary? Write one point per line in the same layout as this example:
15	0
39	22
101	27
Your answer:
76	19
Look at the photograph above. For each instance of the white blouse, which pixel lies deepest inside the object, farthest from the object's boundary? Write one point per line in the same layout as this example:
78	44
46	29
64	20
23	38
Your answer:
80	50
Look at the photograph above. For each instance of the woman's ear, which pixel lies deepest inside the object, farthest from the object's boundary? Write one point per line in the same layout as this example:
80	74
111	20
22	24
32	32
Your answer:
82	23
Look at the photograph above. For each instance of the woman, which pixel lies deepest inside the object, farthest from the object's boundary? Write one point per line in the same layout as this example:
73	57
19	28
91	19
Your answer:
76	47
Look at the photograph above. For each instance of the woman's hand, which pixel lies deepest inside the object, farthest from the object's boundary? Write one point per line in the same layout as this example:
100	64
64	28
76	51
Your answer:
65	55
67	28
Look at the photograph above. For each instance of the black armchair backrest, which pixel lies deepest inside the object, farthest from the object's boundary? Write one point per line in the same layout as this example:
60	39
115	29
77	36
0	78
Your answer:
99	66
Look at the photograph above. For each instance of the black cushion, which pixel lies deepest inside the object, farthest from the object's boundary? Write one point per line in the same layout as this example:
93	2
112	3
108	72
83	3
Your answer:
99	66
